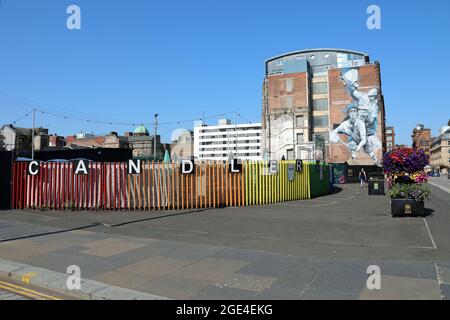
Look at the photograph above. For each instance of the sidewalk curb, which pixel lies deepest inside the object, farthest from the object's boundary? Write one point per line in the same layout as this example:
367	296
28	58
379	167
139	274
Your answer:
438	186
90	289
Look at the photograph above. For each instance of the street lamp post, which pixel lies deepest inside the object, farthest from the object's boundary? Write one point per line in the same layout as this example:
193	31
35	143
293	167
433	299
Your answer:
154	137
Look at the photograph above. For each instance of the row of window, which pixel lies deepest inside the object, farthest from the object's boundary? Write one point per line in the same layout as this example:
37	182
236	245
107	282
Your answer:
224	155
230	129
232	148
232	141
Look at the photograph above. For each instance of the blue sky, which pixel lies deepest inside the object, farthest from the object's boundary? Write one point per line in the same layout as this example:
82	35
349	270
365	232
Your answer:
181	59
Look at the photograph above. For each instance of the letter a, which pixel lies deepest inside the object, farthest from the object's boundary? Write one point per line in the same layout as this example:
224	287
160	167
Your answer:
374	20
81	166
73	282
374	280
74	20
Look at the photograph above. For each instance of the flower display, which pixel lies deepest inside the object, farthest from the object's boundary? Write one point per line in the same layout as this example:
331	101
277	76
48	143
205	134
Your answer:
404	168
405	160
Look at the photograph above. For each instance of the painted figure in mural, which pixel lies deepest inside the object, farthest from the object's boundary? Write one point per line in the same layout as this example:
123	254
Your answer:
355	129
368	108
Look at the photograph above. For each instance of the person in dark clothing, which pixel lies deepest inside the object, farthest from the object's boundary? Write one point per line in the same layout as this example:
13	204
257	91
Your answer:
362	177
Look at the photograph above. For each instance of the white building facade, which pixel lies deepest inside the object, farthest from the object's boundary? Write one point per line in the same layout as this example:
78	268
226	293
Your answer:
226	141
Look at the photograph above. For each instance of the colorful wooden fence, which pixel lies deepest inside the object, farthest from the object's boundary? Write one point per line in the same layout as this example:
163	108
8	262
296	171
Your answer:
161	186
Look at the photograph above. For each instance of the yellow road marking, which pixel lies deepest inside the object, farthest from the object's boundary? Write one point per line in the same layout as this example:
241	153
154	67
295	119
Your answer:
26	277
21	293
27	292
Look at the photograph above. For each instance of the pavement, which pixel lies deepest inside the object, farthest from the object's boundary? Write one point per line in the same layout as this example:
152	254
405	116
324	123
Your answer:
310	249
441	182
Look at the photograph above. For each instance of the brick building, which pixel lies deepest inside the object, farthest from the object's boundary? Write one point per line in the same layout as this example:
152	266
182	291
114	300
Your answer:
140	141
390	138
440	151
421	138
307	96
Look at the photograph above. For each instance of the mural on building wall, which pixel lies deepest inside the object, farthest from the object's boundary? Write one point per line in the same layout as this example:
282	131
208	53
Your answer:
361	121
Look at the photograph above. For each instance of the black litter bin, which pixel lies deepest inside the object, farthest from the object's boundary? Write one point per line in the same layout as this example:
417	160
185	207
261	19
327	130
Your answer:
376	184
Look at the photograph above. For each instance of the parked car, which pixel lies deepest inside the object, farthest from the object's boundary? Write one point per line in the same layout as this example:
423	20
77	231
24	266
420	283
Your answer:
448	175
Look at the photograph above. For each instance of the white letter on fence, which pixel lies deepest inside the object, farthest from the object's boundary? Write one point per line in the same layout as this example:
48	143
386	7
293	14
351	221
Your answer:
235	167
183	166
134	167
273	167
299	165
30	168
81	166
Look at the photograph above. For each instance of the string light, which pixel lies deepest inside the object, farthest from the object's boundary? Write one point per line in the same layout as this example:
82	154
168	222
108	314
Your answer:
25	102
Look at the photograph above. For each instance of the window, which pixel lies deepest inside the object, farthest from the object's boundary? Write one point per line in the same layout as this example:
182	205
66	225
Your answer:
321	87
299	137
299	123
389	138
289	85
320	104
320	71
320	121
289	102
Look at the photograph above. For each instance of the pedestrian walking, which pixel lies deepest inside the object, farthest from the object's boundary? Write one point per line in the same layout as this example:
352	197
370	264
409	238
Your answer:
362	177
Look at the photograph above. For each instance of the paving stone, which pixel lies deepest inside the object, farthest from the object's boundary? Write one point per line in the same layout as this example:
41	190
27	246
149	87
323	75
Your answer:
211	269
400	288
279	293
444	274
239	254
114	293
445	291
246	282
420	270
315	294
90	265
186	251
225	293
175	287
348	276
297	277
155	266
269	266
20	250
120	279
110	247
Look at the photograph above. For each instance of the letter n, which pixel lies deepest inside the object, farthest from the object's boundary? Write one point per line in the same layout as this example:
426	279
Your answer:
134	167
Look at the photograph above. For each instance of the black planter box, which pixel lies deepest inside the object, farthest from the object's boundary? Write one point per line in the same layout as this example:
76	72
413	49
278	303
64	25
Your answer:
407	208
376	187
